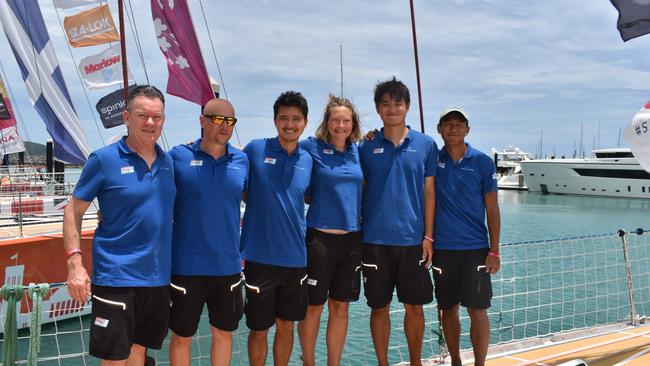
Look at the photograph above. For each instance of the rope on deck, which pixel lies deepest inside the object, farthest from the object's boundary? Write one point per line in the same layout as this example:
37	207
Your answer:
12	295
36	293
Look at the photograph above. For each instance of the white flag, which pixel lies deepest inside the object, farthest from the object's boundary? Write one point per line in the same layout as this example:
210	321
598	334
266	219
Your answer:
637	134
67	4
103	69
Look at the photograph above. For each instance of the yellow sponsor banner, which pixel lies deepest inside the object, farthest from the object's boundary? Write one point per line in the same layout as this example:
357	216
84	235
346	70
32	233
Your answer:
91	27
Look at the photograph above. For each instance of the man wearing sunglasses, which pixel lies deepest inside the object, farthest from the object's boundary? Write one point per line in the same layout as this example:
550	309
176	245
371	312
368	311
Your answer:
210	175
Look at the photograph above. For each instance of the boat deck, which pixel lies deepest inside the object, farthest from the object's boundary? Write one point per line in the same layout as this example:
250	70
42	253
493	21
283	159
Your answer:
10	230
619	345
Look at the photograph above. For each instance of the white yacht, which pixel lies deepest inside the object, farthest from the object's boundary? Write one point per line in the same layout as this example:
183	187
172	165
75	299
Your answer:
508	167
612	172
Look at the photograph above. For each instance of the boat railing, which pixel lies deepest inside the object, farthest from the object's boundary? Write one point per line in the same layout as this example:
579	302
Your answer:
545	288
31	196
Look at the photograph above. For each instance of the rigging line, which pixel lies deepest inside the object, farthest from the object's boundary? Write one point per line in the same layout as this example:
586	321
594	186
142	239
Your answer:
92	112
214	54
417	65
216	60
138	45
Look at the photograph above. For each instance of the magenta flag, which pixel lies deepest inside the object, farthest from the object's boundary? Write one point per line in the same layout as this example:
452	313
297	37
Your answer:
188	78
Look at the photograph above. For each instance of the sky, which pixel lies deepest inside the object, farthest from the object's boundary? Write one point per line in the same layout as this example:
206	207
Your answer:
525	71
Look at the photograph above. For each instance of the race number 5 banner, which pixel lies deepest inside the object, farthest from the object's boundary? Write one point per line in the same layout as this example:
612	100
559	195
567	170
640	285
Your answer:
637	134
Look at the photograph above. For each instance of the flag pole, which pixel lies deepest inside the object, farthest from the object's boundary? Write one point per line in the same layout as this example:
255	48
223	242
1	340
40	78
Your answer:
125	73
417	66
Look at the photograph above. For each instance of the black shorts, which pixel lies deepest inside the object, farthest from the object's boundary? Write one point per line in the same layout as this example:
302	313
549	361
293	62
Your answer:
386	267
460	280
122	316
274	292
333	266
188	294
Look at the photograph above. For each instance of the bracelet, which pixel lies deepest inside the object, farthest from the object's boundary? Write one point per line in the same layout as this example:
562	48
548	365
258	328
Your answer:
495	255
72	252
429	238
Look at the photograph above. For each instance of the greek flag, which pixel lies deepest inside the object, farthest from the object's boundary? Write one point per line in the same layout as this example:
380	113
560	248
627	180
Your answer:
25	29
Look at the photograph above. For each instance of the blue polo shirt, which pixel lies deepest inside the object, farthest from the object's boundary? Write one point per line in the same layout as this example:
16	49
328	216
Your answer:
207	210
393	197
460	204
335	190
132	244
274	221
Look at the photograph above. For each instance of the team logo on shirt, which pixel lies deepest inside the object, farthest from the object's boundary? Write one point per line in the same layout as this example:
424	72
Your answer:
379	150
101	322
196	162
127	169
328	151
494	176
270	161
441	165
410	149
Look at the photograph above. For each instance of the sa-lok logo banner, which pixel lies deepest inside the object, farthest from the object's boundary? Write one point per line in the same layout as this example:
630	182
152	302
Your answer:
103	69
91	27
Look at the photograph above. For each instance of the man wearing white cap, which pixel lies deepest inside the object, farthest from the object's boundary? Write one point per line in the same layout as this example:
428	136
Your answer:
466	253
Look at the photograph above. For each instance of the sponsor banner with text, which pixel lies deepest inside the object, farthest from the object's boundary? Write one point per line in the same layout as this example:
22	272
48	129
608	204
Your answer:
91	27
111	107
103	69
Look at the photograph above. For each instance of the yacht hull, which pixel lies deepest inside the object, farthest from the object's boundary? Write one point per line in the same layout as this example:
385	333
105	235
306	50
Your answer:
593	177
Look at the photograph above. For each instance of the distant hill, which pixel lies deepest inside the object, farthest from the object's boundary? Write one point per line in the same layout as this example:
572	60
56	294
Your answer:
34	149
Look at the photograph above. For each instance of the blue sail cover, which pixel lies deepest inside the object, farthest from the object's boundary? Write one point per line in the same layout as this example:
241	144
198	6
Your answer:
25	29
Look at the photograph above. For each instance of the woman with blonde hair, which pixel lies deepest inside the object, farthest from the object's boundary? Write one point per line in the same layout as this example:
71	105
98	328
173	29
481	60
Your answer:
334	239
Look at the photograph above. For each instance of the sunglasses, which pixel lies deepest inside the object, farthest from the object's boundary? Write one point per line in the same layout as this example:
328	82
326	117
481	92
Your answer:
218	119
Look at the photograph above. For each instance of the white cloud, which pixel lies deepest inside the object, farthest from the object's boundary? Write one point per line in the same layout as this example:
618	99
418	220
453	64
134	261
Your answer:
517	66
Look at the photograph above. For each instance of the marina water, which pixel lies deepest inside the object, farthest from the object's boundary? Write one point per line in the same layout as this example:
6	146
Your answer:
527	220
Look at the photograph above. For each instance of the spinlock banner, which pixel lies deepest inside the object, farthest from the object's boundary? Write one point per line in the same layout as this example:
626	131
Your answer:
103	69
91	27
111	107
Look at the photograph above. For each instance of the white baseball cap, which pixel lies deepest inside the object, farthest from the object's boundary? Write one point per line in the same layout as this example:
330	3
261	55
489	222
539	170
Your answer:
454	109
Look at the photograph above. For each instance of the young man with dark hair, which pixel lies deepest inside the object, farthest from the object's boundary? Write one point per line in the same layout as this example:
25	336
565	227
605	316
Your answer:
466	192
133	180
399	167
273	236
210	175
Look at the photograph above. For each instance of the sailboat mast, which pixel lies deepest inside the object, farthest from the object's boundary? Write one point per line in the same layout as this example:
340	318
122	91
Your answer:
417	66
125	73
341	63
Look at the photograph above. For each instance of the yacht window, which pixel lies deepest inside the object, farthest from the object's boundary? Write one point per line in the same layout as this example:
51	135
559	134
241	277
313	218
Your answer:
614	154
613	173
629	189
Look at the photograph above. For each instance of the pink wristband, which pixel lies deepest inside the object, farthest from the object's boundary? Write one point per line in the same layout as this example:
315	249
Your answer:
429	238
72	252
495	255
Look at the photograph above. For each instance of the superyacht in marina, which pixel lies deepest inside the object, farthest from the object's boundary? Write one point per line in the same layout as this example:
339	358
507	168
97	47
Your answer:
611	172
